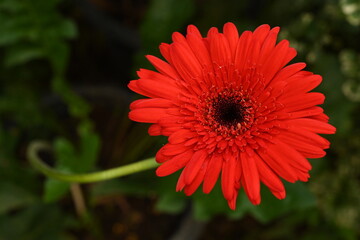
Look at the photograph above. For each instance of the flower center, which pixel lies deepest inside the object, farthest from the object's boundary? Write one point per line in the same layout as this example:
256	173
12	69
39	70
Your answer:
228	111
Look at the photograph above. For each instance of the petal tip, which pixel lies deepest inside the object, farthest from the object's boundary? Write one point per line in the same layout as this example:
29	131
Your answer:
279	195
232	204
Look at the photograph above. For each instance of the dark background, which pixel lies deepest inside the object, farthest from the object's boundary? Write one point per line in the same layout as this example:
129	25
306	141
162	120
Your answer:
64	67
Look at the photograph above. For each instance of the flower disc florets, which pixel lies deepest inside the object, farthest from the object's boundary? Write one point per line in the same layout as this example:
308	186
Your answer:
227	111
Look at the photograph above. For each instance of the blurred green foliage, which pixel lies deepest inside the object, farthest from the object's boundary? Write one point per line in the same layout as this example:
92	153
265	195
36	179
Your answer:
35	51
33	35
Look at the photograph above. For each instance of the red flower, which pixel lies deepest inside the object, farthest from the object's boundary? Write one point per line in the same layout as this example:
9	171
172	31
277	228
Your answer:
229	105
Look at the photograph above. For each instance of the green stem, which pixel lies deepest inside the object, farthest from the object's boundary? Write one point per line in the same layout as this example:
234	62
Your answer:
37	146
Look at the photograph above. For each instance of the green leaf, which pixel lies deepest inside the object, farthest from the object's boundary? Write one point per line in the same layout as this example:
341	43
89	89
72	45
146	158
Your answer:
77	106
71	160
78	160
89	148
171	202
22	54
207	206
10	5
13	197
58	54
9	37
65	153
66	161
38	222
298	198
54	190
67	29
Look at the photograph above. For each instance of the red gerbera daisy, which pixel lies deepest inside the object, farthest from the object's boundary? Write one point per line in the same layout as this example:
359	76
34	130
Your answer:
229	105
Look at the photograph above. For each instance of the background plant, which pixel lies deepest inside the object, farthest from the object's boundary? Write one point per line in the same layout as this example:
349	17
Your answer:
64	66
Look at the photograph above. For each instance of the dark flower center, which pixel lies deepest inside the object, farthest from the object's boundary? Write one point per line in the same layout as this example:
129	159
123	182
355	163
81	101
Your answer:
228	111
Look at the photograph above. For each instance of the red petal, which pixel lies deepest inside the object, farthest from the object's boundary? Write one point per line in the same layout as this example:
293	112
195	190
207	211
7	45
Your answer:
158	89
251	178
191	142
181	182
289	71
318	154
167	131
194	165
267	176
232	201
181	136
163	67
279	165
307	135
302	145
322	117
232	36
154	130
269	44
253	56
212	32
279	195
242	50
275	61
199	49
313	125
306	112
300	84
212	172
174	164
133	85
155	76
147	115
165	51
191	188
220	50
151	103
160	157
292	156
298	102
179	38
171	121
228	176
191	29
291	53
185	62
174	149
261	32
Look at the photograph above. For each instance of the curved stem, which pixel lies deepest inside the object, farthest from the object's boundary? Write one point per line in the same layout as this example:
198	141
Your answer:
35	147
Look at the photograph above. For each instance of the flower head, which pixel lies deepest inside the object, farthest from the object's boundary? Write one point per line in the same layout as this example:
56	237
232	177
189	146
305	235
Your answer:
230	105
